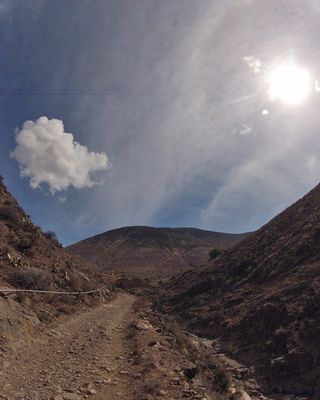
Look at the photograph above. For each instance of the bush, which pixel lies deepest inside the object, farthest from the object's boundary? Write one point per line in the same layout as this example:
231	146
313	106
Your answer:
214	253
221	379
31	278
10	215
182	340
53	237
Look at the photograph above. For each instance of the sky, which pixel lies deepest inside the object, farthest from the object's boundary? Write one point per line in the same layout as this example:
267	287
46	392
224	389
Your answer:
116	113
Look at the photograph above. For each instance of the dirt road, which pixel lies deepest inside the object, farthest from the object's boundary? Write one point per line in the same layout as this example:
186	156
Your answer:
83	356
120	350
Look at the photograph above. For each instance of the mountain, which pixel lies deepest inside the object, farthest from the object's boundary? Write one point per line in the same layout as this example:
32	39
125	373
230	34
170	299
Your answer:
261	300
146	252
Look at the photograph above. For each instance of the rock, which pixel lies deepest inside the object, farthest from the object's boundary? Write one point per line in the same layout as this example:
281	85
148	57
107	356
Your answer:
144	326
57	397
123	372
185	385
56	389
240	395
70	396
245	395
90	385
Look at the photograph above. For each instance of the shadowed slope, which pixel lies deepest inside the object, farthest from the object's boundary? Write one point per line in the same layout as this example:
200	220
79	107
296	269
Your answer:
261	298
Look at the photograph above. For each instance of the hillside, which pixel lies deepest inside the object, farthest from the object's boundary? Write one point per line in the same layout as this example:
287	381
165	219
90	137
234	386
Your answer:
261	299
151	252
30	258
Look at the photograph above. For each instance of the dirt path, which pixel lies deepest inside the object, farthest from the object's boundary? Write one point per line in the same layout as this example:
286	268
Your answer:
84	356
121	350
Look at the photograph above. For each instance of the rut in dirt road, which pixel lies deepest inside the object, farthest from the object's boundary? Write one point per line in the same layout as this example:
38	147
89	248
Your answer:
86	355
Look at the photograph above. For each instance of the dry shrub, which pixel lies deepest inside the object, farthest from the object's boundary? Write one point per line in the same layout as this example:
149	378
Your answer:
62	303
205	364
183	341
77	282
152	382
24	244
31	278
65	308
53	237
53	299
90	300
139	303
10	215
221	379
24	299
131	330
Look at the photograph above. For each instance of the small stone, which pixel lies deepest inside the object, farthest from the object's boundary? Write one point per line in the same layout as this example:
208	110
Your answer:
56	389
123	372
70	396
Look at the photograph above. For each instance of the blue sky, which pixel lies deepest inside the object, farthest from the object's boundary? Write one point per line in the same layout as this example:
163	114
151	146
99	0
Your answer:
165	90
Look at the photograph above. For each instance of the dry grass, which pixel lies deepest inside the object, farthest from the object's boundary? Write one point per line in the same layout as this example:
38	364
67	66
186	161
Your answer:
31	278
203	360
152	382
182	340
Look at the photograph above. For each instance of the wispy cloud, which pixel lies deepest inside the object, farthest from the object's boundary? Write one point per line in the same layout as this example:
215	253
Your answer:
183	117
180	114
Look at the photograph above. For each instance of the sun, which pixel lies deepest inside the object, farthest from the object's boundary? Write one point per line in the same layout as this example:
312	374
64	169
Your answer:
289	83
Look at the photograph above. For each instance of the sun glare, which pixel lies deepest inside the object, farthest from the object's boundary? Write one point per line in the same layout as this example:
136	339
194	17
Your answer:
290	84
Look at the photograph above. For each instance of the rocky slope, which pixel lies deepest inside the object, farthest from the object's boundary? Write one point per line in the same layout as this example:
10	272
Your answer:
151	252
261	300
32	259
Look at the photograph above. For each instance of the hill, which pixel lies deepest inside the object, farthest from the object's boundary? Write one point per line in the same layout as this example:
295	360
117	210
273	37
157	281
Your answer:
261	299
33	259
146	252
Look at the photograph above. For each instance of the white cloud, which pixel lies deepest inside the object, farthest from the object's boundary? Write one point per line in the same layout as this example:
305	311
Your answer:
47	154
